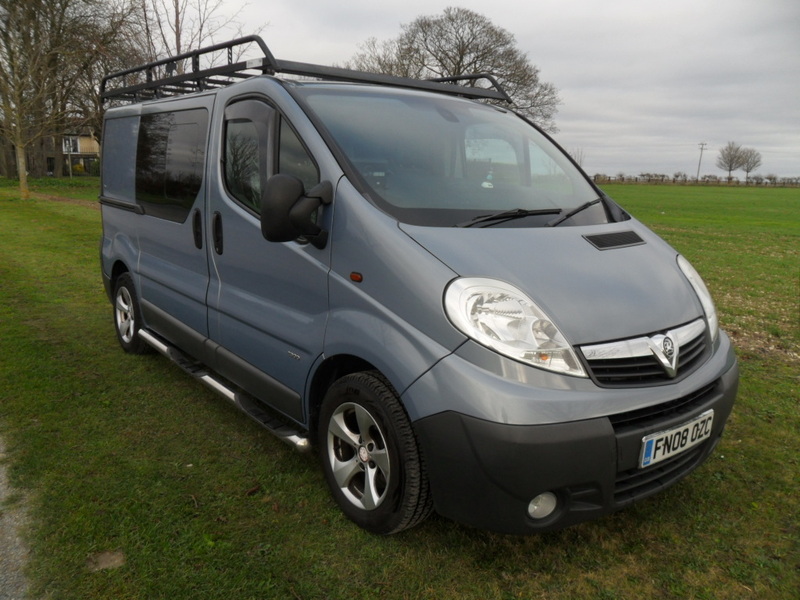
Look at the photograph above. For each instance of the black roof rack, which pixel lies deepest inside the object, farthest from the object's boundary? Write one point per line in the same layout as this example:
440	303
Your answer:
161	79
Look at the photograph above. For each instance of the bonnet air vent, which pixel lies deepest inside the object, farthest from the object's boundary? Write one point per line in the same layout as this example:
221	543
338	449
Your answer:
619	239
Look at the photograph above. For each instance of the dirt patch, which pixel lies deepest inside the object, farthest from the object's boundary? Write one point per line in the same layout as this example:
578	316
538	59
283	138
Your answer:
77	201
105	560
13	550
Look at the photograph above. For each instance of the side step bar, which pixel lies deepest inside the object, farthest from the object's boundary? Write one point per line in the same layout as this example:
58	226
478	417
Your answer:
244	402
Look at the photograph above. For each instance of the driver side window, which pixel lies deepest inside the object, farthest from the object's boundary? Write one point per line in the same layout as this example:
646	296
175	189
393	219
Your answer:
293	159
248	129
250	156
242	174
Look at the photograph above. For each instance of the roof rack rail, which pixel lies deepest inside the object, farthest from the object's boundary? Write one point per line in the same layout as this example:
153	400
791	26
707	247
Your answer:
477	77
161	79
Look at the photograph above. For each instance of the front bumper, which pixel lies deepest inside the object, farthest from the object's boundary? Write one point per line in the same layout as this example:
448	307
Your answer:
485	473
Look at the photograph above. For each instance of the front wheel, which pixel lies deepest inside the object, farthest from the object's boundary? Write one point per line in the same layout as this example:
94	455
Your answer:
370	455
127	316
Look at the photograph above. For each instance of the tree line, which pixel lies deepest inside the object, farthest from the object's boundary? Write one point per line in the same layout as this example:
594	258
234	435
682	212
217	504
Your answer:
682	178
732	157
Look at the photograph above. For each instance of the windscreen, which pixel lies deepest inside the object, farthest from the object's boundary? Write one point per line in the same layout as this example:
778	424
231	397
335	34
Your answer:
437	160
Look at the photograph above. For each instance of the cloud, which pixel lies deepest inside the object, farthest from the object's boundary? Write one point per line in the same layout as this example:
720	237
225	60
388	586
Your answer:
642	83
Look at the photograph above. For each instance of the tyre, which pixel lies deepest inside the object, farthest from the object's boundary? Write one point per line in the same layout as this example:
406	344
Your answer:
127	316
370	455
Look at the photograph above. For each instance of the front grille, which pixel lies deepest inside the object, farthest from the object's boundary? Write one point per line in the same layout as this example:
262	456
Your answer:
630	363
644	417
635	484
637	369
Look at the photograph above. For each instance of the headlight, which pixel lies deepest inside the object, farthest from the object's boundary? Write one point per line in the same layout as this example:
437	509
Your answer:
504	319
702	293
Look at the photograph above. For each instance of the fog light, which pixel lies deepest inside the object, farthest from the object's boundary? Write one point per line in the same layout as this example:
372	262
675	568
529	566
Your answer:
543	505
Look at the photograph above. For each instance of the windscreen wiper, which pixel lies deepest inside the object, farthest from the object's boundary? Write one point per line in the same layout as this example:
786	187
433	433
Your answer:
508	215
572	213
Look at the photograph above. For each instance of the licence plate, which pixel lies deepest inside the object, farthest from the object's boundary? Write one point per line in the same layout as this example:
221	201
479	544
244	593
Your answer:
665	444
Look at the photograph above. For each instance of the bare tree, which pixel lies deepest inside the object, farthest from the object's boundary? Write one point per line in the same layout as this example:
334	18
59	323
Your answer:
31	47
172	27
117	46
20	56
387	57
751	160
457	42
730	158
45	48
97	35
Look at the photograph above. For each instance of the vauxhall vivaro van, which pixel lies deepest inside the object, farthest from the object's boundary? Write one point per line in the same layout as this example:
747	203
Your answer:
413	280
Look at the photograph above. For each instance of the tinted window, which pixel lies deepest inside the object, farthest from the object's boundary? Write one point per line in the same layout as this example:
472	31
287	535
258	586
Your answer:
250	156
490	158
242	157
170	157
119	158
294	160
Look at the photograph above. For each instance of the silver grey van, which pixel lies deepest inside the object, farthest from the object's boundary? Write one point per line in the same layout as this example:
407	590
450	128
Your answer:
413	280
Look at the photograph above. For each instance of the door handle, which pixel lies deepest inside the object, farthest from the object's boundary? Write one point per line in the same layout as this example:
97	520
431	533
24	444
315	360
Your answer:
216	229
197	229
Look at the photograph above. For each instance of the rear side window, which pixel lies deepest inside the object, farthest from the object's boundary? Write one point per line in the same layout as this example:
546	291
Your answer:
119	158
170	157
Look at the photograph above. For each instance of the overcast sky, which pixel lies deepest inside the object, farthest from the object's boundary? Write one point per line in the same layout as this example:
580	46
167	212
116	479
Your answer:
642	82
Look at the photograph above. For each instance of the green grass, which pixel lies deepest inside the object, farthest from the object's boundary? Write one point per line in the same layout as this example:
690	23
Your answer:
76	188
126	454
746	244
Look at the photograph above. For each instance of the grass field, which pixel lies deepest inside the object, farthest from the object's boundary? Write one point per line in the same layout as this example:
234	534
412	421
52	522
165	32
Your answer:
126	457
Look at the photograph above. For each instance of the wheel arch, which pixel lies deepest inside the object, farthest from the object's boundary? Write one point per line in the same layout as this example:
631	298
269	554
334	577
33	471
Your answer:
330	370
110	279
118	269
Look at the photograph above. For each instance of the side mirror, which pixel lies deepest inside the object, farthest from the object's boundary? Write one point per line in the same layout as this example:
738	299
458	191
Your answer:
287	213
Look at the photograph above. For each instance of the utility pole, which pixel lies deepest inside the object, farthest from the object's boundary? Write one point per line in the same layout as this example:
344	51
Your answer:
702	146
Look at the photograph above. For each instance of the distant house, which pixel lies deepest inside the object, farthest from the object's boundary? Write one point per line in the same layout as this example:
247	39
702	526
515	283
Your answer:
80	153
76	152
